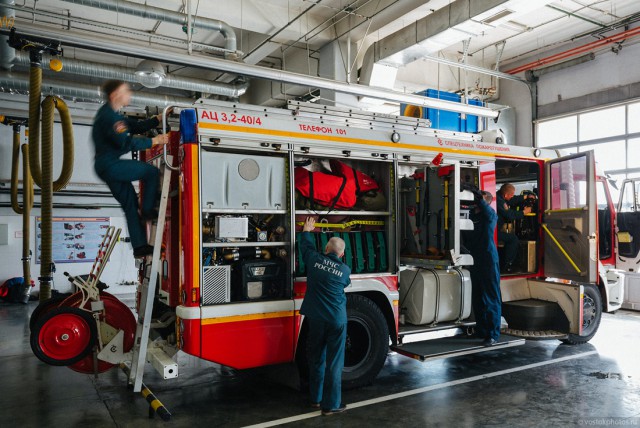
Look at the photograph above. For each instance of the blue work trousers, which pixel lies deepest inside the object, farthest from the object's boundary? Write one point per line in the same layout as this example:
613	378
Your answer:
510	247
119	177
325	352
486	299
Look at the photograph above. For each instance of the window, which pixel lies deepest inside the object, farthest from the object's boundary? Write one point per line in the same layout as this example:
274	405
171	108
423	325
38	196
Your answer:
558	131
601	196
602	123
611	132
629	200
634	118
568	184
608	155
633	161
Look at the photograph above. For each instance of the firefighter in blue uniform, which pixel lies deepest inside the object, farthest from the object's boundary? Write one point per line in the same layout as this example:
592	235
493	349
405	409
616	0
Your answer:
485	272
506	201
325	309
113	136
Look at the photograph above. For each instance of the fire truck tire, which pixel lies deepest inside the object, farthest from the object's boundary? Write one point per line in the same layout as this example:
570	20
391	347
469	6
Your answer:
591	315
63	336
43	308
367	342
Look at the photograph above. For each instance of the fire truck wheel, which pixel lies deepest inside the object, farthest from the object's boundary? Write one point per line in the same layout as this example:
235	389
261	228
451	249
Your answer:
63	336
367	342
43	308
591	315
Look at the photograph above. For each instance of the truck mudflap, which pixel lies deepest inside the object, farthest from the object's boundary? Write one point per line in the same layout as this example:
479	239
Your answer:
452	346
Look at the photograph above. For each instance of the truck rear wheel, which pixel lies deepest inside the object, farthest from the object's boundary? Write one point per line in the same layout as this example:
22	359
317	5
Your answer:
591	315
367	342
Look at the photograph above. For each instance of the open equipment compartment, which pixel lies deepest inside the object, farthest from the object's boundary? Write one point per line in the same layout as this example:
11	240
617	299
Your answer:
350	197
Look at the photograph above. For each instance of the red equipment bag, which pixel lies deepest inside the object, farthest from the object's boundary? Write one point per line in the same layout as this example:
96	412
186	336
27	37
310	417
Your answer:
326	189
363	182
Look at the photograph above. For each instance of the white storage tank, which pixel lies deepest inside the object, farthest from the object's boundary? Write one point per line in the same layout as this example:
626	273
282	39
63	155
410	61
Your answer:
428	295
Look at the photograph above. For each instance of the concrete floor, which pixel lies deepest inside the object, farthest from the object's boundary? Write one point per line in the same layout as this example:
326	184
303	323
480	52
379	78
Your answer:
539	384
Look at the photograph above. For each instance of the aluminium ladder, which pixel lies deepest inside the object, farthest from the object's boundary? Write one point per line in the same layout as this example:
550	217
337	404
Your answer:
148	286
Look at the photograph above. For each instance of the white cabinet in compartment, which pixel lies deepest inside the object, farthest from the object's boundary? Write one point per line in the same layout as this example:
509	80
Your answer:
243	182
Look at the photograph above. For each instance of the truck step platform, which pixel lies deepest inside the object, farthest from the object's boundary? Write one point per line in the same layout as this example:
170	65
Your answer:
452	346
534	315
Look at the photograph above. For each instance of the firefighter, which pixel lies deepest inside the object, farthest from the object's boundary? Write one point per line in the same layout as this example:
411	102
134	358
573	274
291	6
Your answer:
113	136
325	309
506	202
485	272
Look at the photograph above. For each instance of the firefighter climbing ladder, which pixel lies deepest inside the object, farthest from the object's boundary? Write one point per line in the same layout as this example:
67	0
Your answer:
148	287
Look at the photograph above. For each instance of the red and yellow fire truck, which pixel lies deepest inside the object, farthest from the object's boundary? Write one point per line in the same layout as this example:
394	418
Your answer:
233	279
239	183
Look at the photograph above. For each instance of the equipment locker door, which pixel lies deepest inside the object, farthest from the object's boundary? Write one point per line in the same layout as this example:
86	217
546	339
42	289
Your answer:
569	219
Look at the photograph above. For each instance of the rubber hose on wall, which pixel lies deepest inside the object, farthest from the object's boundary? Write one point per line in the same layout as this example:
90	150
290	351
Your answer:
27	184
26	221
27	202
41	164
48	186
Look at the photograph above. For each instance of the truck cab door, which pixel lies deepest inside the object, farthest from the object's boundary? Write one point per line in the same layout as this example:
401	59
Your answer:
628	222
570	218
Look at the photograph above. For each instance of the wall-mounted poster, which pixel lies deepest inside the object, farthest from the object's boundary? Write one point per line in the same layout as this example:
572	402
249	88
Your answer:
74	239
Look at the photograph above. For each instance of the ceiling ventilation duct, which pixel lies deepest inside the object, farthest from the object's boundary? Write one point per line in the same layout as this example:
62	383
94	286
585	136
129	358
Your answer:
123	47
107	71
8	15
458	21
10	82
164	15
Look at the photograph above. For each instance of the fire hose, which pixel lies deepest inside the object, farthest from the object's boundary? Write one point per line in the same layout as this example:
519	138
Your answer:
41	164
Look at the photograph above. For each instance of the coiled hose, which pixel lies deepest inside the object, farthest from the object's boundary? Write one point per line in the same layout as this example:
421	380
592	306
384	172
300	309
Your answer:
27	204
41	165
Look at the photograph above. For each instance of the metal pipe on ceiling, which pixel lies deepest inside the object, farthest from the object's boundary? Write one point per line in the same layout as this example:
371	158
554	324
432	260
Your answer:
576	51
164	15
6	55
120	47
107	71
20	82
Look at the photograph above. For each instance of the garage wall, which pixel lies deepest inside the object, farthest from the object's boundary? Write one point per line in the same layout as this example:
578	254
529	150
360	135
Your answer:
610	78
121	268
572	89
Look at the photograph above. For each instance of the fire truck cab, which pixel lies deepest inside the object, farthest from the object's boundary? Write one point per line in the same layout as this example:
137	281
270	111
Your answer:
390	186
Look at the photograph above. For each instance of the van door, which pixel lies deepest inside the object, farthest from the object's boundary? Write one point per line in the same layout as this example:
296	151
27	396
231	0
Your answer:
569	219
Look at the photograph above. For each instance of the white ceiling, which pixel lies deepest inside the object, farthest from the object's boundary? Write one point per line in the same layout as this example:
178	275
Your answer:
269	31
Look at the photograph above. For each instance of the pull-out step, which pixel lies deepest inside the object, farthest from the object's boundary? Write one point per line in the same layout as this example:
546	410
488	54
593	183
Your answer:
534	315
452	346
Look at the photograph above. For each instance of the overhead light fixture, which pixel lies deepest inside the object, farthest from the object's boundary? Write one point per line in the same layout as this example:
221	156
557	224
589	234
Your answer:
150	73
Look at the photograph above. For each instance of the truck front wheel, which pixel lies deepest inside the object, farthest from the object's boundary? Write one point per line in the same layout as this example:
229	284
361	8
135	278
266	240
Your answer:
367	342
591	315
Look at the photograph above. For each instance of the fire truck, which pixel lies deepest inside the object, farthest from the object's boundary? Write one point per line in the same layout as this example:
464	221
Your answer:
239	181
234	280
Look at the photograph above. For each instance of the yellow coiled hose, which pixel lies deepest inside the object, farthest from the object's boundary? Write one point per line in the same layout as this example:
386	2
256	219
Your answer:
27	201
41	165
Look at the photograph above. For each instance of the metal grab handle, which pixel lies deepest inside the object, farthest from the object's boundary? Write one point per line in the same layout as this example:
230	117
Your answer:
164	131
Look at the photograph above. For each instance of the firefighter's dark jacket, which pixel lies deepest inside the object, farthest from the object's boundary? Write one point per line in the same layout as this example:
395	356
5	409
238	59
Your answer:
506	212
482	246
327	277
114	135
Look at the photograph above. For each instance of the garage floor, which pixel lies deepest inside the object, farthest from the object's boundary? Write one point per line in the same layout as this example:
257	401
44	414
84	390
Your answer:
539	384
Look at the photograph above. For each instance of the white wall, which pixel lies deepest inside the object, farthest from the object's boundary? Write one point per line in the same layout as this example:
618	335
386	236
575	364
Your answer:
607	79
608	70
121	267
